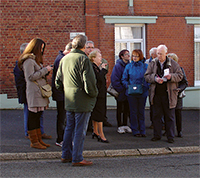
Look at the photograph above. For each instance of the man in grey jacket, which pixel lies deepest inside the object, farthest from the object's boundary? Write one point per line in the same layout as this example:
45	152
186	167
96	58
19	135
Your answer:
164	74
75	74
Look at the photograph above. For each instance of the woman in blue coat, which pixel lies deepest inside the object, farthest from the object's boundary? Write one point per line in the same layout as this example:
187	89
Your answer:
122	102
134	74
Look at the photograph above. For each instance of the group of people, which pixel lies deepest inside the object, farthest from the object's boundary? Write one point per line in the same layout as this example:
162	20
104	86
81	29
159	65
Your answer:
162	79
79	89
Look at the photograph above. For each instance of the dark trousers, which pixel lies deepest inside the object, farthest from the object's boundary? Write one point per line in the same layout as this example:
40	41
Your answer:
61	117
178	120
178	114
137	116
161	108
34	120
122	109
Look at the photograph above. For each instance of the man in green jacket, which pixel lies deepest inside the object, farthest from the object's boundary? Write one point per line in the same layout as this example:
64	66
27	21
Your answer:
75	74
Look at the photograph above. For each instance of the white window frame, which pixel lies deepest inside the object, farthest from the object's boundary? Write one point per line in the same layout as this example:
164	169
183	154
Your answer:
196	40
128	41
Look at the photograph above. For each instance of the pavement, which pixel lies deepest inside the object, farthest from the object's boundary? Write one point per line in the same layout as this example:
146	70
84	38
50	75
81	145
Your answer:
14	145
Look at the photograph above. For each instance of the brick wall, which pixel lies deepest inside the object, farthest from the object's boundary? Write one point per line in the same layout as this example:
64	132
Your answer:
53	20
22	20
170	28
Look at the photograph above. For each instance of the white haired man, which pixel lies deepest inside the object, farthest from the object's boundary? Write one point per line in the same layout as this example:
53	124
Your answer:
164	74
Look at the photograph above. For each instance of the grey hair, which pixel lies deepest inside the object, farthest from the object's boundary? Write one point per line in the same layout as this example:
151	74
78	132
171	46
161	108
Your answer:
163	46
89	42
22	47
152	50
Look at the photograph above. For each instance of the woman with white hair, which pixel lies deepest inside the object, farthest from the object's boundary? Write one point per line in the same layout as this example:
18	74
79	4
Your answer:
181	87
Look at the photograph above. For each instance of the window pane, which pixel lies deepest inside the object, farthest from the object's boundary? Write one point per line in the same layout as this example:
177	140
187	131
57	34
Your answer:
126	33
197	61
118	48
117	33
137	32
135	46
197	33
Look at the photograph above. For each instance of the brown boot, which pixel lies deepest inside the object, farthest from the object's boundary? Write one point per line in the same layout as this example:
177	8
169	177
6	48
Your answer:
40	138
34	140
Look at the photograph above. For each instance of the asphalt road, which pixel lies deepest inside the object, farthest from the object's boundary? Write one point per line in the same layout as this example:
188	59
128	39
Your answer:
170	166
13	140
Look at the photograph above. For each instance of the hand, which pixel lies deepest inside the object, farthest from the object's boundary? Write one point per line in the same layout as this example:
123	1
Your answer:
49	68
168	77
104	65
177	89
159	80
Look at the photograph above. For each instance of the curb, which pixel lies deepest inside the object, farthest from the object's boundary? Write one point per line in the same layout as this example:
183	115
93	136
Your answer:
101	153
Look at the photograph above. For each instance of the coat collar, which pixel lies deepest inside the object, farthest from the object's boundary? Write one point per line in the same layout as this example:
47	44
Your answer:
77	51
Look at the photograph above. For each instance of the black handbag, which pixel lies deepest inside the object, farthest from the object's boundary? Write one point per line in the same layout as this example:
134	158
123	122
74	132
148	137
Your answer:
112	91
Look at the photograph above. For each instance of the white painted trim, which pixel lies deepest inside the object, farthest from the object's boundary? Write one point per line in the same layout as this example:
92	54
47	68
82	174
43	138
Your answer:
130	19
192	100
192	20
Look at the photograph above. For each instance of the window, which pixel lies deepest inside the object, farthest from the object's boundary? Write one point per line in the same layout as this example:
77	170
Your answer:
197	54
129	37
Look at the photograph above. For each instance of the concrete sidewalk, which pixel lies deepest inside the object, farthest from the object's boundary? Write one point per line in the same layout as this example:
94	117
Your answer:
14	146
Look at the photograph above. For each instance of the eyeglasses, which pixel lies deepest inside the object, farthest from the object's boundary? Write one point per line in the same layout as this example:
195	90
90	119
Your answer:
89	47
127	54
135	56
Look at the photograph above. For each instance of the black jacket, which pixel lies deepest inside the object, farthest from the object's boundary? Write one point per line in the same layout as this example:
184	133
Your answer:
20	84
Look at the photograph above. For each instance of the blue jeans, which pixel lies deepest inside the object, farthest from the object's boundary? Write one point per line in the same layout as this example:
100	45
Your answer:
26	120
137	115
75	131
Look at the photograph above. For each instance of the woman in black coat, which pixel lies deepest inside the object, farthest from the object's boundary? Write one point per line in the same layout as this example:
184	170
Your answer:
181	87
98	113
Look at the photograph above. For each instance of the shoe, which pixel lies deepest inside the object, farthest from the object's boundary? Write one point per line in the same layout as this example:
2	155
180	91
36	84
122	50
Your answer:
143	135
180	134
170	140
40	137
34	140
104	141
95	135
59	144
66	160
137	135
107	124
83	163
45	136
155	139
121	130
127	129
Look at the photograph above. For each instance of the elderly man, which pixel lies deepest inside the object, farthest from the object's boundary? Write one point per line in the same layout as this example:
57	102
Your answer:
76	75
153	54
164	74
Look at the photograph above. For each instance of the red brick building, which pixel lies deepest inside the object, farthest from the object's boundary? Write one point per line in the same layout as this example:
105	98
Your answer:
112	25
